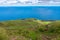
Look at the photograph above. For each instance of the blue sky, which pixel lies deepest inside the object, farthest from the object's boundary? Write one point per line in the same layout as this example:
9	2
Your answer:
39	12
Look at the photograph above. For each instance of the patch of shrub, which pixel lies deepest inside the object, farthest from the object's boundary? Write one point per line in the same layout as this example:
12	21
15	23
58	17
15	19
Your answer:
3	34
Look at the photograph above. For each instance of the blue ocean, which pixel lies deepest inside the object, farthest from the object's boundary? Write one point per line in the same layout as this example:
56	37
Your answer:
38	12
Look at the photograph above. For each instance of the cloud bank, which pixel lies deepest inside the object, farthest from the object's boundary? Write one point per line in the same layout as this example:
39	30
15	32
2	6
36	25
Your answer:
28	3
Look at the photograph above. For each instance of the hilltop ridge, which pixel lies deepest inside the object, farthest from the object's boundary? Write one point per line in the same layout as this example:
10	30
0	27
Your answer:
30	29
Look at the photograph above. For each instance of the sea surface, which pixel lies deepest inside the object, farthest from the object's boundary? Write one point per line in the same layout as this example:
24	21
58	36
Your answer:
38	12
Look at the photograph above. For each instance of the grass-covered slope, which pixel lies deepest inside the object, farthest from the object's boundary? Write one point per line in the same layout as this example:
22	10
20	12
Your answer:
29	29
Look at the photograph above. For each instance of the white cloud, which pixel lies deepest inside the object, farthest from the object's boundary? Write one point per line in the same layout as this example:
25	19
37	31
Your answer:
15	2
2	1
22	0
11	1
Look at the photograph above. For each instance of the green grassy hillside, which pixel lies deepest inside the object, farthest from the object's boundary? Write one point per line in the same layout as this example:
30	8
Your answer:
29	29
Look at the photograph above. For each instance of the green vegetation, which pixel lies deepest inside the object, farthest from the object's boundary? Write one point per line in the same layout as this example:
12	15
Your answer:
29	29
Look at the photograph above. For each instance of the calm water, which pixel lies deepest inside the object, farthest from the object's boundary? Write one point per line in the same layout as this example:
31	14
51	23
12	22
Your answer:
42	13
